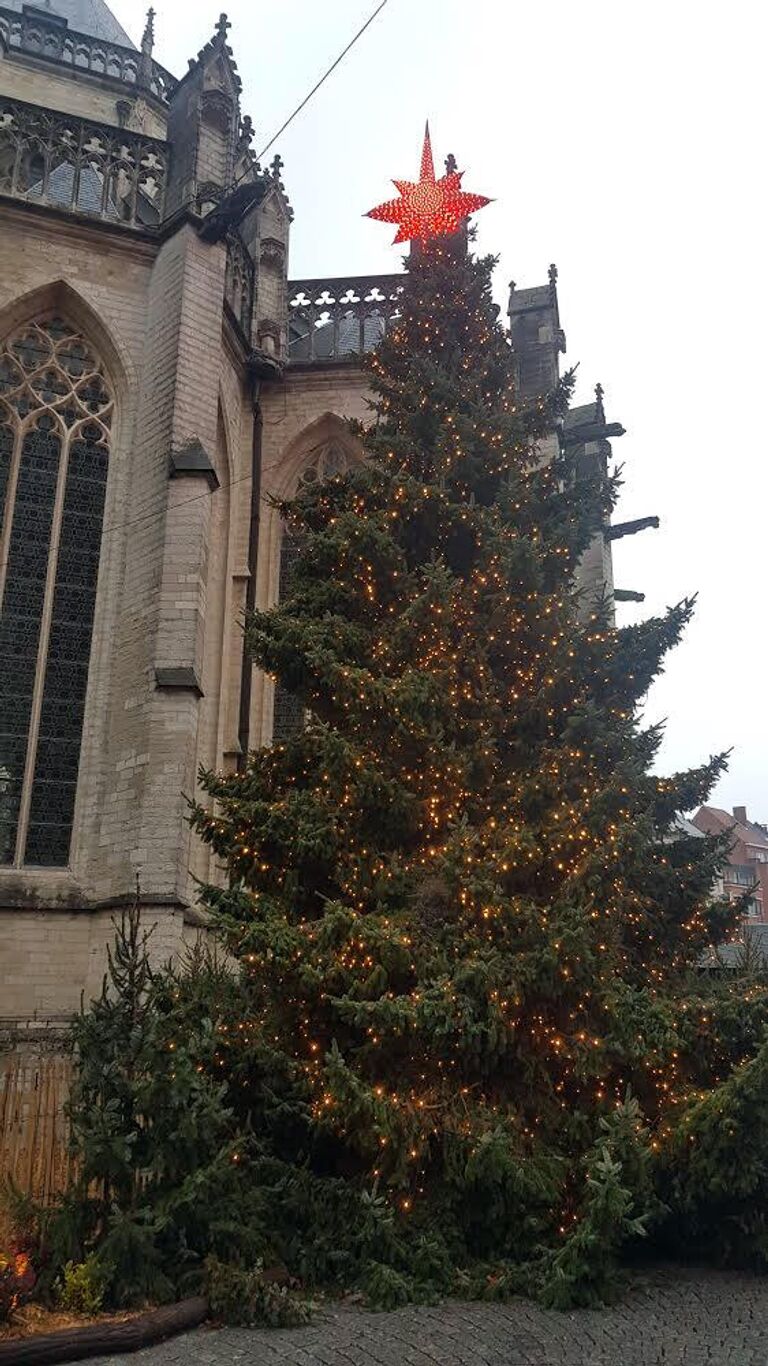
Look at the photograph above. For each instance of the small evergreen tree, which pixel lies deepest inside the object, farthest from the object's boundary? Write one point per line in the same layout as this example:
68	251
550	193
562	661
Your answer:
464	929
157	1185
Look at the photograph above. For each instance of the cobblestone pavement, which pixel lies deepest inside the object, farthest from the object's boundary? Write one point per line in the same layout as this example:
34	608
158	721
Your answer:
668	1318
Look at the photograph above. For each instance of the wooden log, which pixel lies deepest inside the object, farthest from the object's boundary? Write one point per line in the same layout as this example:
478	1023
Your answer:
102	1339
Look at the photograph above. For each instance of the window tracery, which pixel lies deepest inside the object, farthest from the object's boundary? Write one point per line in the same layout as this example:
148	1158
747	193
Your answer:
56	410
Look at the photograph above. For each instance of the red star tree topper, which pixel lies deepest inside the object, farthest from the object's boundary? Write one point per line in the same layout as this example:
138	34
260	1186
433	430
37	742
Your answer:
428	207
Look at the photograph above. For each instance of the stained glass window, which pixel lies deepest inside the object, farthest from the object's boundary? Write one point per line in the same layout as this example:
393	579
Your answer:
55	416
6	455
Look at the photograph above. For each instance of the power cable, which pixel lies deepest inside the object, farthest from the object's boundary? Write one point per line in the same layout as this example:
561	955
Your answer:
317	86
161	511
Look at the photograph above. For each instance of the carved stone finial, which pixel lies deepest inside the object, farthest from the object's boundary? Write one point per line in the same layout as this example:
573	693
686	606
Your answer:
553	275
246	131
450	164
147	43
222	26
148	39
276	167
599	394
512	286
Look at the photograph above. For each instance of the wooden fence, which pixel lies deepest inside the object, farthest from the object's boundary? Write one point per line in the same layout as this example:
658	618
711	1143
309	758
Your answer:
35	1076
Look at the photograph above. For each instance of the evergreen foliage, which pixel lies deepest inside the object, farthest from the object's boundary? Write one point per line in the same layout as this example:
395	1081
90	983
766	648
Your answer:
245	1297
466	933
715	1171
157	1187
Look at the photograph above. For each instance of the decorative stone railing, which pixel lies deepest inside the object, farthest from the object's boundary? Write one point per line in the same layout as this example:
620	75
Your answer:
82	167
340	318
239	282
50	38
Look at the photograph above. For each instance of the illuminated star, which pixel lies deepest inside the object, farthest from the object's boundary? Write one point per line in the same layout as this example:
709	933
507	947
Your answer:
428	207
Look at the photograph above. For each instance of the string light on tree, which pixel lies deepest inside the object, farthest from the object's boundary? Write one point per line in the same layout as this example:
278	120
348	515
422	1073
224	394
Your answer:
464	930
428	207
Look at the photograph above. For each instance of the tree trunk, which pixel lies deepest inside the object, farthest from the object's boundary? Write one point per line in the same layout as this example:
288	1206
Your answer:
97	1339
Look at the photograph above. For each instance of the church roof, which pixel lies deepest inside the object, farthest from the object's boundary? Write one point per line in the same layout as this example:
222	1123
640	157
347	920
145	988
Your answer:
93	17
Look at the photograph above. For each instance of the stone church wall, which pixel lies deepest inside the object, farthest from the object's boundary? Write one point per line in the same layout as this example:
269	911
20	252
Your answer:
87	98
163	586
49	266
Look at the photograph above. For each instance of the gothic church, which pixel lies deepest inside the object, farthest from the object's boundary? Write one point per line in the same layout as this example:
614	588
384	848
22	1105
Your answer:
160	375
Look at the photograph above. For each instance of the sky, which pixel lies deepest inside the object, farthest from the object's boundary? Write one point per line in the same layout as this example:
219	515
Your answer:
625	143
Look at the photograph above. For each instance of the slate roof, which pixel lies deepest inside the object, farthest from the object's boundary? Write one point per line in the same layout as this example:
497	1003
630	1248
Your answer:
93	17
537	297
61	184
585	415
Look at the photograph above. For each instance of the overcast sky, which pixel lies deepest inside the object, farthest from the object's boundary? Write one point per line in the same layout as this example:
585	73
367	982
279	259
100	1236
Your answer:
626	143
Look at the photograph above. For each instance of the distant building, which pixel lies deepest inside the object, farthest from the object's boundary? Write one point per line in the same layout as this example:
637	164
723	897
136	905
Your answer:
747	867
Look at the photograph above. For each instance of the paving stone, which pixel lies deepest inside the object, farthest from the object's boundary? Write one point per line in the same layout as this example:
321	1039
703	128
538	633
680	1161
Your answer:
668	1317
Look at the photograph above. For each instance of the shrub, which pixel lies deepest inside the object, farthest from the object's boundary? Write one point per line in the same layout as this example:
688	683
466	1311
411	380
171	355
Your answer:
81	1287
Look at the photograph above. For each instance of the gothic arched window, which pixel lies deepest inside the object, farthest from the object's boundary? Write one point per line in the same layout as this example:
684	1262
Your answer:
325	461
55	415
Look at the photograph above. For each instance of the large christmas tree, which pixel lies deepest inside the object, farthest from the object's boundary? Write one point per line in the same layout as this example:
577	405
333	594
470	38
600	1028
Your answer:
470	941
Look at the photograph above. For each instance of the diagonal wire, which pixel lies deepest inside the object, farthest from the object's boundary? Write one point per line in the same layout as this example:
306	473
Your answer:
156	512
163	509
322	80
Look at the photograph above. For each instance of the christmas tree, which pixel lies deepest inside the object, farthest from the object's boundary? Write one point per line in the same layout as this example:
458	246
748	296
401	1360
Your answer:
470	945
